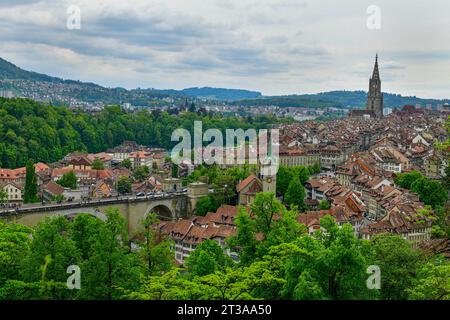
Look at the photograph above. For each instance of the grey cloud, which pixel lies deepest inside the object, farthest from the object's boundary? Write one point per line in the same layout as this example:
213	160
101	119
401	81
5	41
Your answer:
430	54
7	3
258	40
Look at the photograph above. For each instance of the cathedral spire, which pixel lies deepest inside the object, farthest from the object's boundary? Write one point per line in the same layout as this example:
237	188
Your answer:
375	96
376	73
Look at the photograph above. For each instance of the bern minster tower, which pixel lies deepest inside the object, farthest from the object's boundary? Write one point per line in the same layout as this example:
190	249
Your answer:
375	97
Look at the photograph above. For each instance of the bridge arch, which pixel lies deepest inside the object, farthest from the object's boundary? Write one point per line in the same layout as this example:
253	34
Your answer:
163	212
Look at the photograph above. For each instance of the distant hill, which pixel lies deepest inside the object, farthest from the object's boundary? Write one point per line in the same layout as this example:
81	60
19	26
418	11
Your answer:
54	89
11	71
337	99
39	86
42	87
221	94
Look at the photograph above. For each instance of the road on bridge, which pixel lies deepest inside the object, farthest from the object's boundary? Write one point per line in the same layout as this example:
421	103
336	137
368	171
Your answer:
83	203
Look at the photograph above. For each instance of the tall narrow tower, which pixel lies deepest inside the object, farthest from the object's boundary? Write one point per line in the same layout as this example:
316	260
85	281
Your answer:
375	97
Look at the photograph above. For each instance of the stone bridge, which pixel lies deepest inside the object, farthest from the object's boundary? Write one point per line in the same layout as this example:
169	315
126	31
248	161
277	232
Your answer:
134	210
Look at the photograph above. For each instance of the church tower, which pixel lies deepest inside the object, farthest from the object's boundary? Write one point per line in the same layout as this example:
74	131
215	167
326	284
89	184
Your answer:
375	97
269	178
268	170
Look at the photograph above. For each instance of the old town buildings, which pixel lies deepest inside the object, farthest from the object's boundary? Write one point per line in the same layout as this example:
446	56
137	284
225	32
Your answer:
91	182
189	233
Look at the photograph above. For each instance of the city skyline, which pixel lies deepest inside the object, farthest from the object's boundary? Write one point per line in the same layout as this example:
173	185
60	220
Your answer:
276	48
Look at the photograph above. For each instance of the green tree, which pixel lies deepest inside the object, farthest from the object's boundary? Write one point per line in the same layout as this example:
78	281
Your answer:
225	188
441	226
110	265
265	207
405	180
292	259
14	248
68	180
192	107
39	290
295	195
156	251
59	198
83	230
230	284
97	164
124	185
431	192
206	204
126	163
285	229
324	205
398	263
53	247
302	173
284	177
432	281
245	239
141	173
175	170
264	278
315	169
207	258
341	265
31	187
308	288
3	196
168	286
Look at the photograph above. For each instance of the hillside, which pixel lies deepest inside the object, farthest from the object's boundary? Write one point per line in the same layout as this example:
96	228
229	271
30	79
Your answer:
208	93
41	87
221	94
337	99
12	72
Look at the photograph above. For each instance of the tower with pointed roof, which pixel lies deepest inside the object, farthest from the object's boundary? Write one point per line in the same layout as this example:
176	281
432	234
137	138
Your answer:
268	169
375	97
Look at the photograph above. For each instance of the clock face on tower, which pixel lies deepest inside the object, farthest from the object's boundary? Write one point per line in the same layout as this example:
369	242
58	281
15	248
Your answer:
269	180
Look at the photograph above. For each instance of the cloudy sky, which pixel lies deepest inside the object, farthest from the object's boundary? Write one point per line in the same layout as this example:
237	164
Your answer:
273	46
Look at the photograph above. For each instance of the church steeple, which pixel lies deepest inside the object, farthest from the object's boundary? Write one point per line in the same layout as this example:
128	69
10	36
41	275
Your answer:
375	96
376	72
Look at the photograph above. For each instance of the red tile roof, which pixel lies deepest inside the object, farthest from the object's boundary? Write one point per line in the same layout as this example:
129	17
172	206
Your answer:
244	183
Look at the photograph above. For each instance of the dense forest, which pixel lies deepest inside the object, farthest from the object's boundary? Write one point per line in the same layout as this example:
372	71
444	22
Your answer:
41	132
278	260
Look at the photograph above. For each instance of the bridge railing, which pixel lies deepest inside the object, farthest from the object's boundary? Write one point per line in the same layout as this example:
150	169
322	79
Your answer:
88	204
